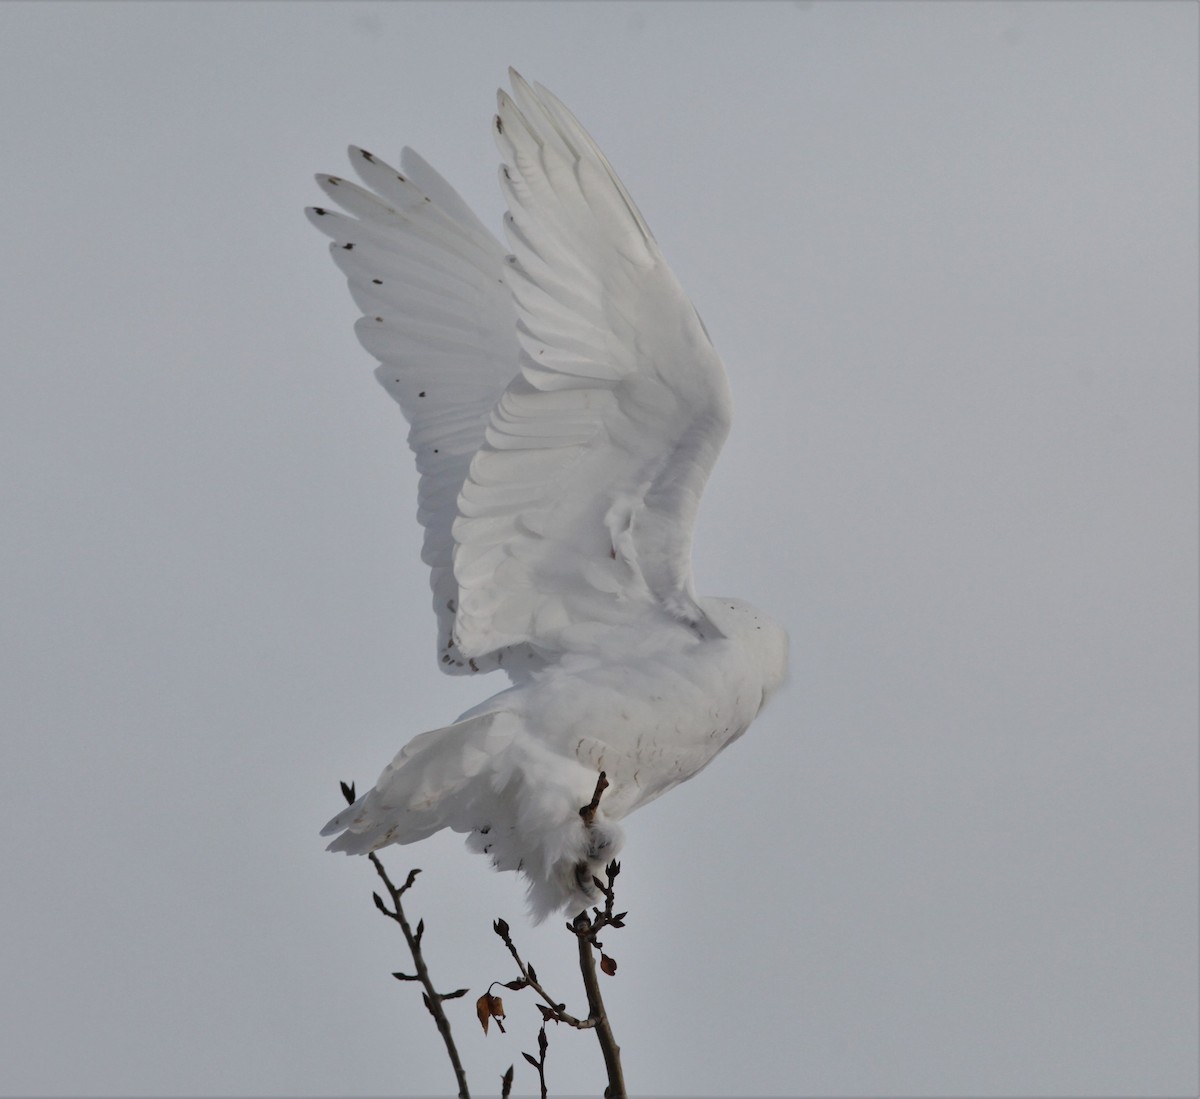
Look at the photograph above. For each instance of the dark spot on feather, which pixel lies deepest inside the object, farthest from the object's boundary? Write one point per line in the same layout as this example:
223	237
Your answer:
319	212
401	178
427	198
367	156
499	125
504	169
421	394
435	450
333	180
445	658
347	246
379	320
377	282
474	666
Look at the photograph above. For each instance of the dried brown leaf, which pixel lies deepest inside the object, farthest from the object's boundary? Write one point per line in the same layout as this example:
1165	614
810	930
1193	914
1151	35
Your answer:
489	1007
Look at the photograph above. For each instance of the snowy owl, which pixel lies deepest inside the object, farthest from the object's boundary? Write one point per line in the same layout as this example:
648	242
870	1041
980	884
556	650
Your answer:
566	406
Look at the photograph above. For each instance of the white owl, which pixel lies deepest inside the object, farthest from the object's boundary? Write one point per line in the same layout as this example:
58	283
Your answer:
566	407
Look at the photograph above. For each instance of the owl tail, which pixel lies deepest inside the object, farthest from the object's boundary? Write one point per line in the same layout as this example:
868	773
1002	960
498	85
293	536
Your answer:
518	802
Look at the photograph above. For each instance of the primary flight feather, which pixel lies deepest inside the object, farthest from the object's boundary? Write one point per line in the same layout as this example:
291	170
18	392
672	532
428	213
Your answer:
566	407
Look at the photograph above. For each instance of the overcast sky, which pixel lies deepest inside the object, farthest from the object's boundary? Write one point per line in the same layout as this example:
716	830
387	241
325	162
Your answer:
948	253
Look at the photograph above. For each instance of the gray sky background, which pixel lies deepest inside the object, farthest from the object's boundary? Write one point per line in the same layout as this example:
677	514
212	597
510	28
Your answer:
949	255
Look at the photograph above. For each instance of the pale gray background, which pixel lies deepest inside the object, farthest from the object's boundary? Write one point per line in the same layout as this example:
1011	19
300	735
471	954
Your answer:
949	254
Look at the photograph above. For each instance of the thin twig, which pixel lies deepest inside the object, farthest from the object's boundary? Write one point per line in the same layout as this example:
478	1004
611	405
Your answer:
433	999
585	932
588	812
539	1062
553	1009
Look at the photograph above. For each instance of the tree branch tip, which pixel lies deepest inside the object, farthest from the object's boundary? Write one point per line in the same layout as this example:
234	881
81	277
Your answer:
588	812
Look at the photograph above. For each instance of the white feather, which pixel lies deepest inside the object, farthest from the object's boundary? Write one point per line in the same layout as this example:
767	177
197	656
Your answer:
566	408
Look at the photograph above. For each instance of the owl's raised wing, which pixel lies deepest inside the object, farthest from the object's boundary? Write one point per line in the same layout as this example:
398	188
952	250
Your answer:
439	317
579	507
565	402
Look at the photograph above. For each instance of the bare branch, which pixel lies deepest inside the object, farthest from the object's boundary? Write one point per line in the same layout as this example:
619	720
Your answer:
585	929
585	932
431	997
539	1062
588	812
553	1009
